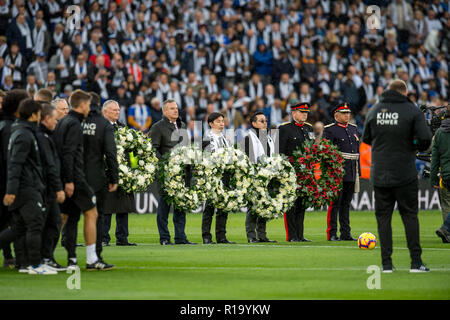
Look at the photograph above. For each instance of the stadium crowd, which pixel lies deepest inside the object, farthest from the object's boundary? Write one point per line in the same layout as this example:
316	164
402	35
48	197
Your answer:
236	57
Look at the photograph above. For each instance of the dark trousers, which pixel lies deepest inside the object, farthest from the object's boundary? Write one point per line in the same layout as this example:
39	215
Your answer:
162	220
340	207
52	229
28	223
255	226
70	230
406	198
121	227
6	233
293	221
221	222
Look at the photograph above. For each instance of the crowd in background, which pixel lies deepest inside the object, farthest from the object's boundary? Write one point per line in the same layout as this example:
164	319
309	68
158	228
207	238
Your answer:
236	57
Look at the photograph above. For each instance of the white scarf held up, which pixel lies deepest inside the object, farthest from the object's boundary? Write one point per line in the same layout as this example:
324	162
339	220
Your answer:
258	148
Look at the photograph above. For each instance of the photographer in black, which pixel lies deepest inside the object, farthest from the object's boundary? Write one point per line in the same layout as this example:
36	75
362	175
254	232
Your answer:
396	129
440	172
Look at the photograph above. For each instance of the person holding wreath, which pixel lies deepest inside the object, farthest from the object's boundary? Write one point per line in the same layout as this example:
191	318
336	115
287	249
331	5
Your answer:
213	142
165	135
292	136
116	202
256	144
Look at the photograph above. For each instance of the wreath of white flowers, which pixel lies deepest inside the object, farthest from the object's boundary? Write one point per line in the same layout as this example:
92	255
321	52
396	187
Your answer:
137	160
173	181
241	173
276	169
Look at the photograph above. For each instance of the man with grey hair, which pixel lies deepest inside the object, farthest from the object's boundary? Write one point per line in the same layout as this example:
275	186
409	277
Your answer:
155	109
116	202
62	108
165	135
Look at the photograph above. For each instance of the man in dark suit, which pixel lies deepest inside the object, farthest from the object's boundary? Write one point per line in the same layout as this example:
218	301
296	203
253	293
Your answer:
292	135
166	134
116	202
345	136
256	144
214	141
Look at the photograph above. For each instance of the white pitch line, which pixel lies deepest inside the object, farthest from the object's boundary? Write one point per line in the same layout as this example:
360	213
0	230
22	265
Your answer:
265	268
294	246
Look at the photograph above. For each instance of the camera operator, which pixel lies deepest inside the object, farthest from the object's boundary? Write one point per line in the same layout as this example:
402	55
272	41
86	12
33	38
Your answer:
440	173
396	128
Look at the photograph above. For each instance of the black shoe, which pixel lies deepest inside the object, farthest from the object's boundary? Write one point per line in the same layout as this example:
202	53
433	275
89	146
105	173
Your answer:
294	240
334	238
185	242
253	241
225	241
126	244
71	265
165	242
419	269
99	265
9	263
305	240
348	238
105	244
208	241
54	265
388	268
267	240
443	234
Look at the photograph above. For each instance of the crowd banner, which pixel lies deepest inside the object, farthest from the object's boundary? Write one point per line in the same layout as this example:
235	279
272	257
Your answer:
428	198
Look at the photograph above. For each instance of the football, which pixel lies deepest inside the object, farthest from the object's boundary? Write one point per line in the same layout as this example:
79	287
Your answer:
367	241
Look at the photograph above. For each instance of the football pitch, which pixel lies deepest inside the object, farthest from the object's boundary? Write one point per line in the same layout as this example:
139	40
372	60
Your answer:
242	271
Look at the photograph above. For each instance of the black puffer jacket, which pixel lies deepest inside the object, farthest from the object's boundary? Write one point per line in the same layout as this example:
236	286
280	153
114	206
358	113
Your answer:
25	174
396	129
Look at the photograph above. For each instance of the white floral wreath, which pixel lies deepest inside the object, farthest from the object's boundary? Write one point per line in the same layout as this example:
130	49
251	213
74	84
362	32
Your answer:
137	160
229	159
172	178
262	202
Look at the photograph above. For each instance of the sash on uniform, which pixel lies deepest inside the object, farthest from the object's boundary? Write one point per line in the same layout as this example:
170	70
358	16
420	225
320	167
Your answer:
353	156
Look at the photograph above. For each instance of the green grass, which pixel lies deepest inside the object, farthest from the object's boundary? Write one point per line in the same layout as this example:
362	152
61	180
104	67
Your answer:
316	270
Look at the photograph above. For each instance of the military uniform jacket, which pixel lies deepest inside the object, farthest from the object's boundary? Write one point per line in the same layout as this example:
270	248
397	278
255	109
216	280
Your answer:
292	135
25	175
346	139
396	129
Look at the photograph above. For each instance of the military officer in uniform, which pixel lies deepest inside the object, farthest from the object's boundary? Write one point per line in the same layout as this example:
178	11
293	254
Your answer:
291	136
345	136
